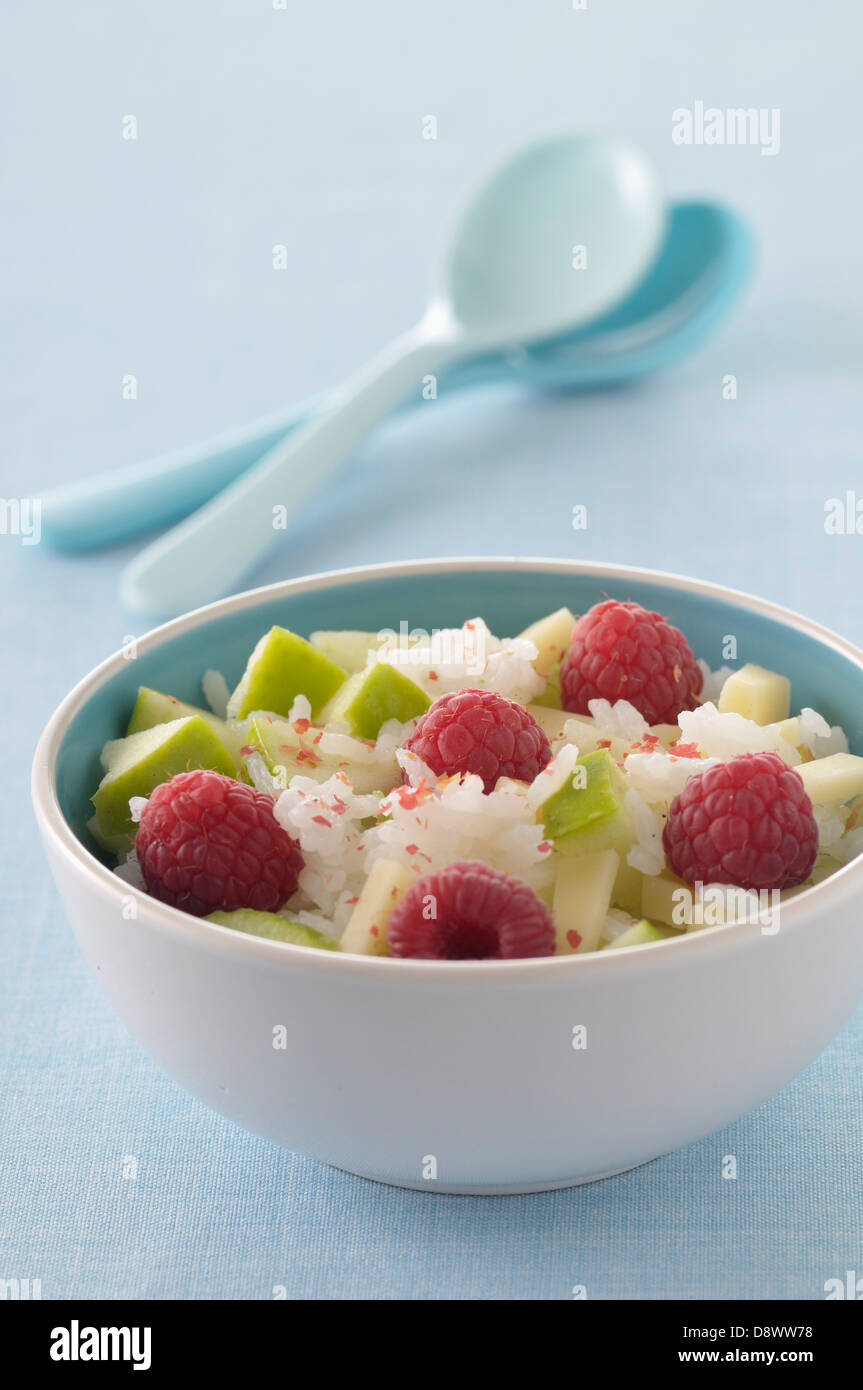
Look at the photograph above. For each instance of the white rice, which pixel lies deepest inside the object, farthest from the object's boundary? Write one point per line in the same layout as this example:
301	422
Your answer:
647	854
660	777
619	720
713	681
216	692
818	736
724	736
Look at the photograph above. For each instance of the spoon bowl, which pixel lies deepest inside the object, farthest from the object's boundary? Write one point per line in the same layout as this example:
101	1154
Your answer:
554	238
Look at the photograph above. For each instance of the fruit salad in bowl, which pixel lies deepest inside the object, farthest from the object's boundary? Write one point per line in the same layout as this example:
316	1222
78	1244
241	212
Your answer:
470	903
588	784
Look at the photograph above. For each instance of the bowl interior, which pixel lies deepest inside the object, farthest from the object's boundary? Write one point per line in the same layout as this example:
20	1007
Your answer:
507	598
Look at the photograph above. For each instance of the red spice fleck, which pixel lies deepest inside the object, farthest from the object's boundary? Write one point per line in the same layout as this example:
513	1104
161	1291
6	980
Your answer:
433	676
544	847
574	939
412	849
373	931
604	743
306	755
302	726
322	820
248	748
685	750
319	736
348	901
409	797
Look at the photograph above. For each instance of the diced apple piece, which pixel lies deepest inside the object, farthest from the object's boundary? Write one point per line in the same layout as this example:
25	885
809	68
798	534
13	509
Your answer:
136	765
550	697
627	890
551	721
582	894
385	886
835	778
349	649
297	751
658	900
281	667
550	636
668	734
760	695
587	813
152	707
273	927
114	844
283	744
642	934
369	698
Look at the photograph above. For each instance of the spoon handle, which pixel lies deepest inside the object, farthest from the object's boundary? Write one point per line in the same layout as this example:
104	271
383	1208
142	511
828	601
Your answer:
90	513
210	552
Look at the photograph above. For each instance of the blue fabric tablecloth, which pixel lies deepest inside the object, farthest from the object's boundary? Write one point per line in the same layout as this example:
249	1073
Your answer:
303	128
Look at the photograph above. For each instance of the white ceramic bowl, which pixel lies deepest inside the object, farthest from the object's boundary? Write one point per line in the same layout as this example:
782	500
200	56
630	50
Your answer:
460	1076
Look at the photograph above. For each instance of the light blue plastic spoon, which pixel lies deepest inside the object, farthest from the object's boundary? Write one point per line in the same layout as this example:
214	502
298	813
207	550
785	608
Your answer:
696	279
555	238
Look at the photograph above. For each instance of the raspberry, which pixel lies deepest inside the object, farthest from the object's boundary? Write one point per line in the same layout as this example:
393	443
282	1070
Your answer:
468	911
621	651
205	841
748	822
481	732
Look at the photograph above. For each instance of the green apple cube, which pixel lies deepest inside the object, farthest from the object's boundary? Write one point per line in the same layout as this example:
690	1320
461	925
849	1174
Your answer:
550	697
838	777
369	698
628	888
348	649
152	707
385	886
582	897
273	927
136	765
282	744
642	934
296	752
761	695
281	667
587	813
550	636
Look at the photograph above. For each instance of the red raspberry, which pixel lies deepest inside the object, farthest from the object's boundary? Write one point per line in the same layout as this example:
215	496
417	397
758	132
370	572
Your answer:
468	911
748	822
480	731
205	841
621	651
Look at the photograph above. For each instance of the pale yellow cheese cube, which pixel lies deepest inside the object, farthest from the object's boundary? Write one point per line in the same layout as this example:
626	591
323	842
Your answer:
836	778
760	695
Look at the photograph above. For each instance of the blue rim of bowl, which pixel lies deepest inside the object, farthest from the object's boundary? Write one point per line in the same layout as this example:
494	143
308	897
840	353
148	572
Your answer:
840	885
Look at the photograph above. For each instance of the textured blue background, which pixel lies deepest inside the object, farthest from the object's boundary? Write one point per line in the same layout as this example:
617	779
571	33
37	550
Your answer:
153	257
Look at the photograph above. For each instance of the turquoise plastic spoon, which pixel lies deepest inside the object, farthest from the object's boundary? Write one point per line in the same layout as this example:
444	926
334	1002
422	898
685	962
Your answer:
555	238
696	279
